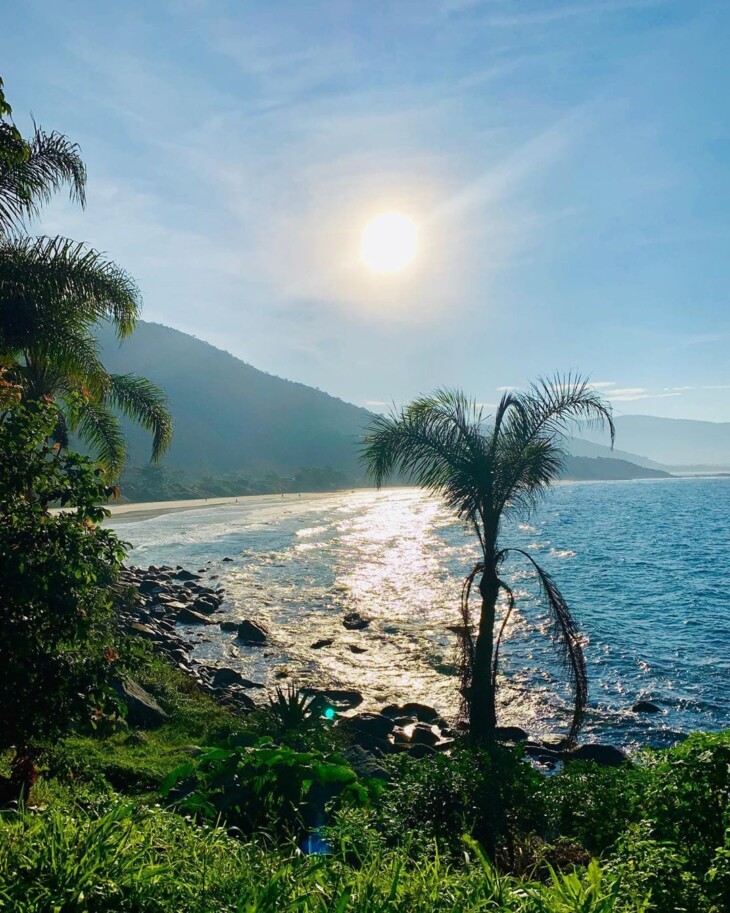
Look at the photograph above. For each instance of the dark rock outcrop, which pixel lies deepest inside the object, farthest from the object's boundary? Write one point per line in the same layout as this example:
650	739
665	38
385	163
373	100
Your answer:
143	711
251	632
603	755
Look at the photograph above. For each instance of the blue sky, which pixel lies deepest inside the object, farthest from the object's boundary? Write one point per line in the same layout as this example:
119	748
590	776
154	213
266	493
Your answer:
567	161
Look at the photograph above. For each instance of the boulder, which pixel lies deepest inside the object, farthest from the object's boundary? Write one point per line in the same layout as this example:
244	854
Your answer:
324	642
355	649
206	605
224	677
365	764
149	587
251	632
646	707
603	755
423	735
413	710
229	625
187	616
186	575
142	630
354	621
374	725
340	698
511	734
143	711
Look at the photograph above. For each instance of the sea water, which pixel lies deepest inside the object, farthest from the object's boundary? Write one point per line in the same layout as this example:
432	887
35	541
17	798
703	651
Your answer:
645	567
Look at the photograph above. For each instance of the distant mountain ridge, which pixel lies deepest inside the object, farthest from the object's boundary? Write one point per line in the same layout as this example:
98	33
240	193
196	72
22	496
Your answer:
230	416
671	441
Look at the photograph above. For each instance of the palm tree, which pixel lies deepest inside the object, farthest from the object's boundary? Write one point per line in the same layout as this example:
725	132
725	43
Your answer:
53	292
487	471
31	172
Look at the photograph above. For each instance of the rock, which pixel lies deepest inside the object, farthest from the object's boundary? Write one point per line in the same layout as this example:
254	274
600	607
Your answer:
224	677
511	734
371	724
421	751
186	575
423	735
189	617
646	707
339	697
354	621
206	605
355	649
251	632
228	559
400	737
325	642
142	630
149	587
421	712
603	755
229	625
365	764
143	711
540	751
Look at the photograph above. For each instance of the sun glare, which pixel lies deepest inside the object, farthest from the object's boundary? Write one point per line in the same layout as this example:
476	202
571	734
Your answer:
389	242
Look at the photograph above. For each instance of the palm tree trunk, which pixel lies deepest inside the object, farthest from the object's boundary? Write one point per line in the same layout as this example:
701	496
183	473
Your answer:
483	713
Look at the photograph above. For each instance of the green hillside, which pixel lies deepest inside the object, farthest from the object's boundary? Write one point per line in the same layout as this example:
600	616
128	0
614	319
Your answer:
230	416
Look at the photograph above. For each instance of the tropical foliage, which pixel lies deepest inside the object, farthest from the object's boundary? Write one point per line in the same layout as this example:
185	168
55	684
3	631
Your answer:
488	469
53	294
57	641
31	171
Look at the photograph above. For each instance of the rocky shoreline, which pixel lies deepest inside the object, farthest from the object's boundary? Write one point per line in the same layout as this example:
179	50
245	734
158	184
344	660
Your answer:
155	600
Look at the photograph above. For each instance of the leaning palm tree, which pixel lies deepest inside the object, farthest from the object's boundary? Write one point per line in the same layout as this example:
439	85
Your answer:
488	469
53	292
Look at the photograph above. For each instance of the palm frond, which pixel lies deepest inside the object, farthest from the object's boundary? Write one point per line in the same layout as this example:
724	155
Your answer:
98	427
51	161
436	442
146	403
53	286
566	638
530	441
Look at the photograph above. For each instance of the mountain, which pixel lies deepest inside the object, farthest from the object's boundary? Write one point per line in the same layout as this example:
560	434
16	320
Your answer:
582	448
229	415
671	441
585	469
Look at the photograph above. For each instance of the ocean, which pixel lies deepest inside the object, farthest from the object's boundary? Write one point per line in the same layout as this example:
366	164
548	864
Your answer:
645	567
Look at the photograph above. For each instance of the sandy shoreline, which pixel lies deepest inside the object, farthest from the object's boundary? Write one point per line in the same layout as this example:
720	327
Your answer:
148	510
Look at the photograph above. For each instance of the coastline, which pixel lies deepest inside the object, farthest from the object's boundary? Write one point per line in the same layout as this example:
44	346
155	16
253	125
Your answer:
148	510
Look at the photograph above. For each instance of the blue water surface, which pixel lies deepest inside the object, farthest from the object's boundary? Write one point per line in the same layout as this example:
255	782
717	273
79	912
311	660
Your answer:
645	567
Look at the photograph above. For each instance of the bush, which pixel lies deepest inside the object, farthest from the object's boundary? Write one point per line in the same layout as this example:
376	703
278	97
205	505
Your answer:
262	786
58	647
487	794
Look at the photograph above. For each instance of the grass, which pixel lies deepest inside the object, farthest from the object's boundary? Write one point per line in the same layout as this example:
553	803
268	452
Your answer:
149	859
96	837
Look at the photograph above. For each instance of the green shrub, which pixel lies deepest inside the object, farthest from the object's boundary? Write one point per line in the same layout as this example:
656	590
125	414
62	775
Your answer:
262	786
490	795
593	805
58	645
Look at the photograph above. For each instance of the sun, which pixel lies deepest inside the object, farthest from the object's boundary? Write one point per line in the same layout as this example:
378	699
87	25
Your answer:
389	242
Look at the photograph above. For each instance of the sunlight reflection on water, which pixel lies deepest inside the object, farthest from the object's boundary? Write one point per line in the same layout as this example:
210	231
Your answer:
633	576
